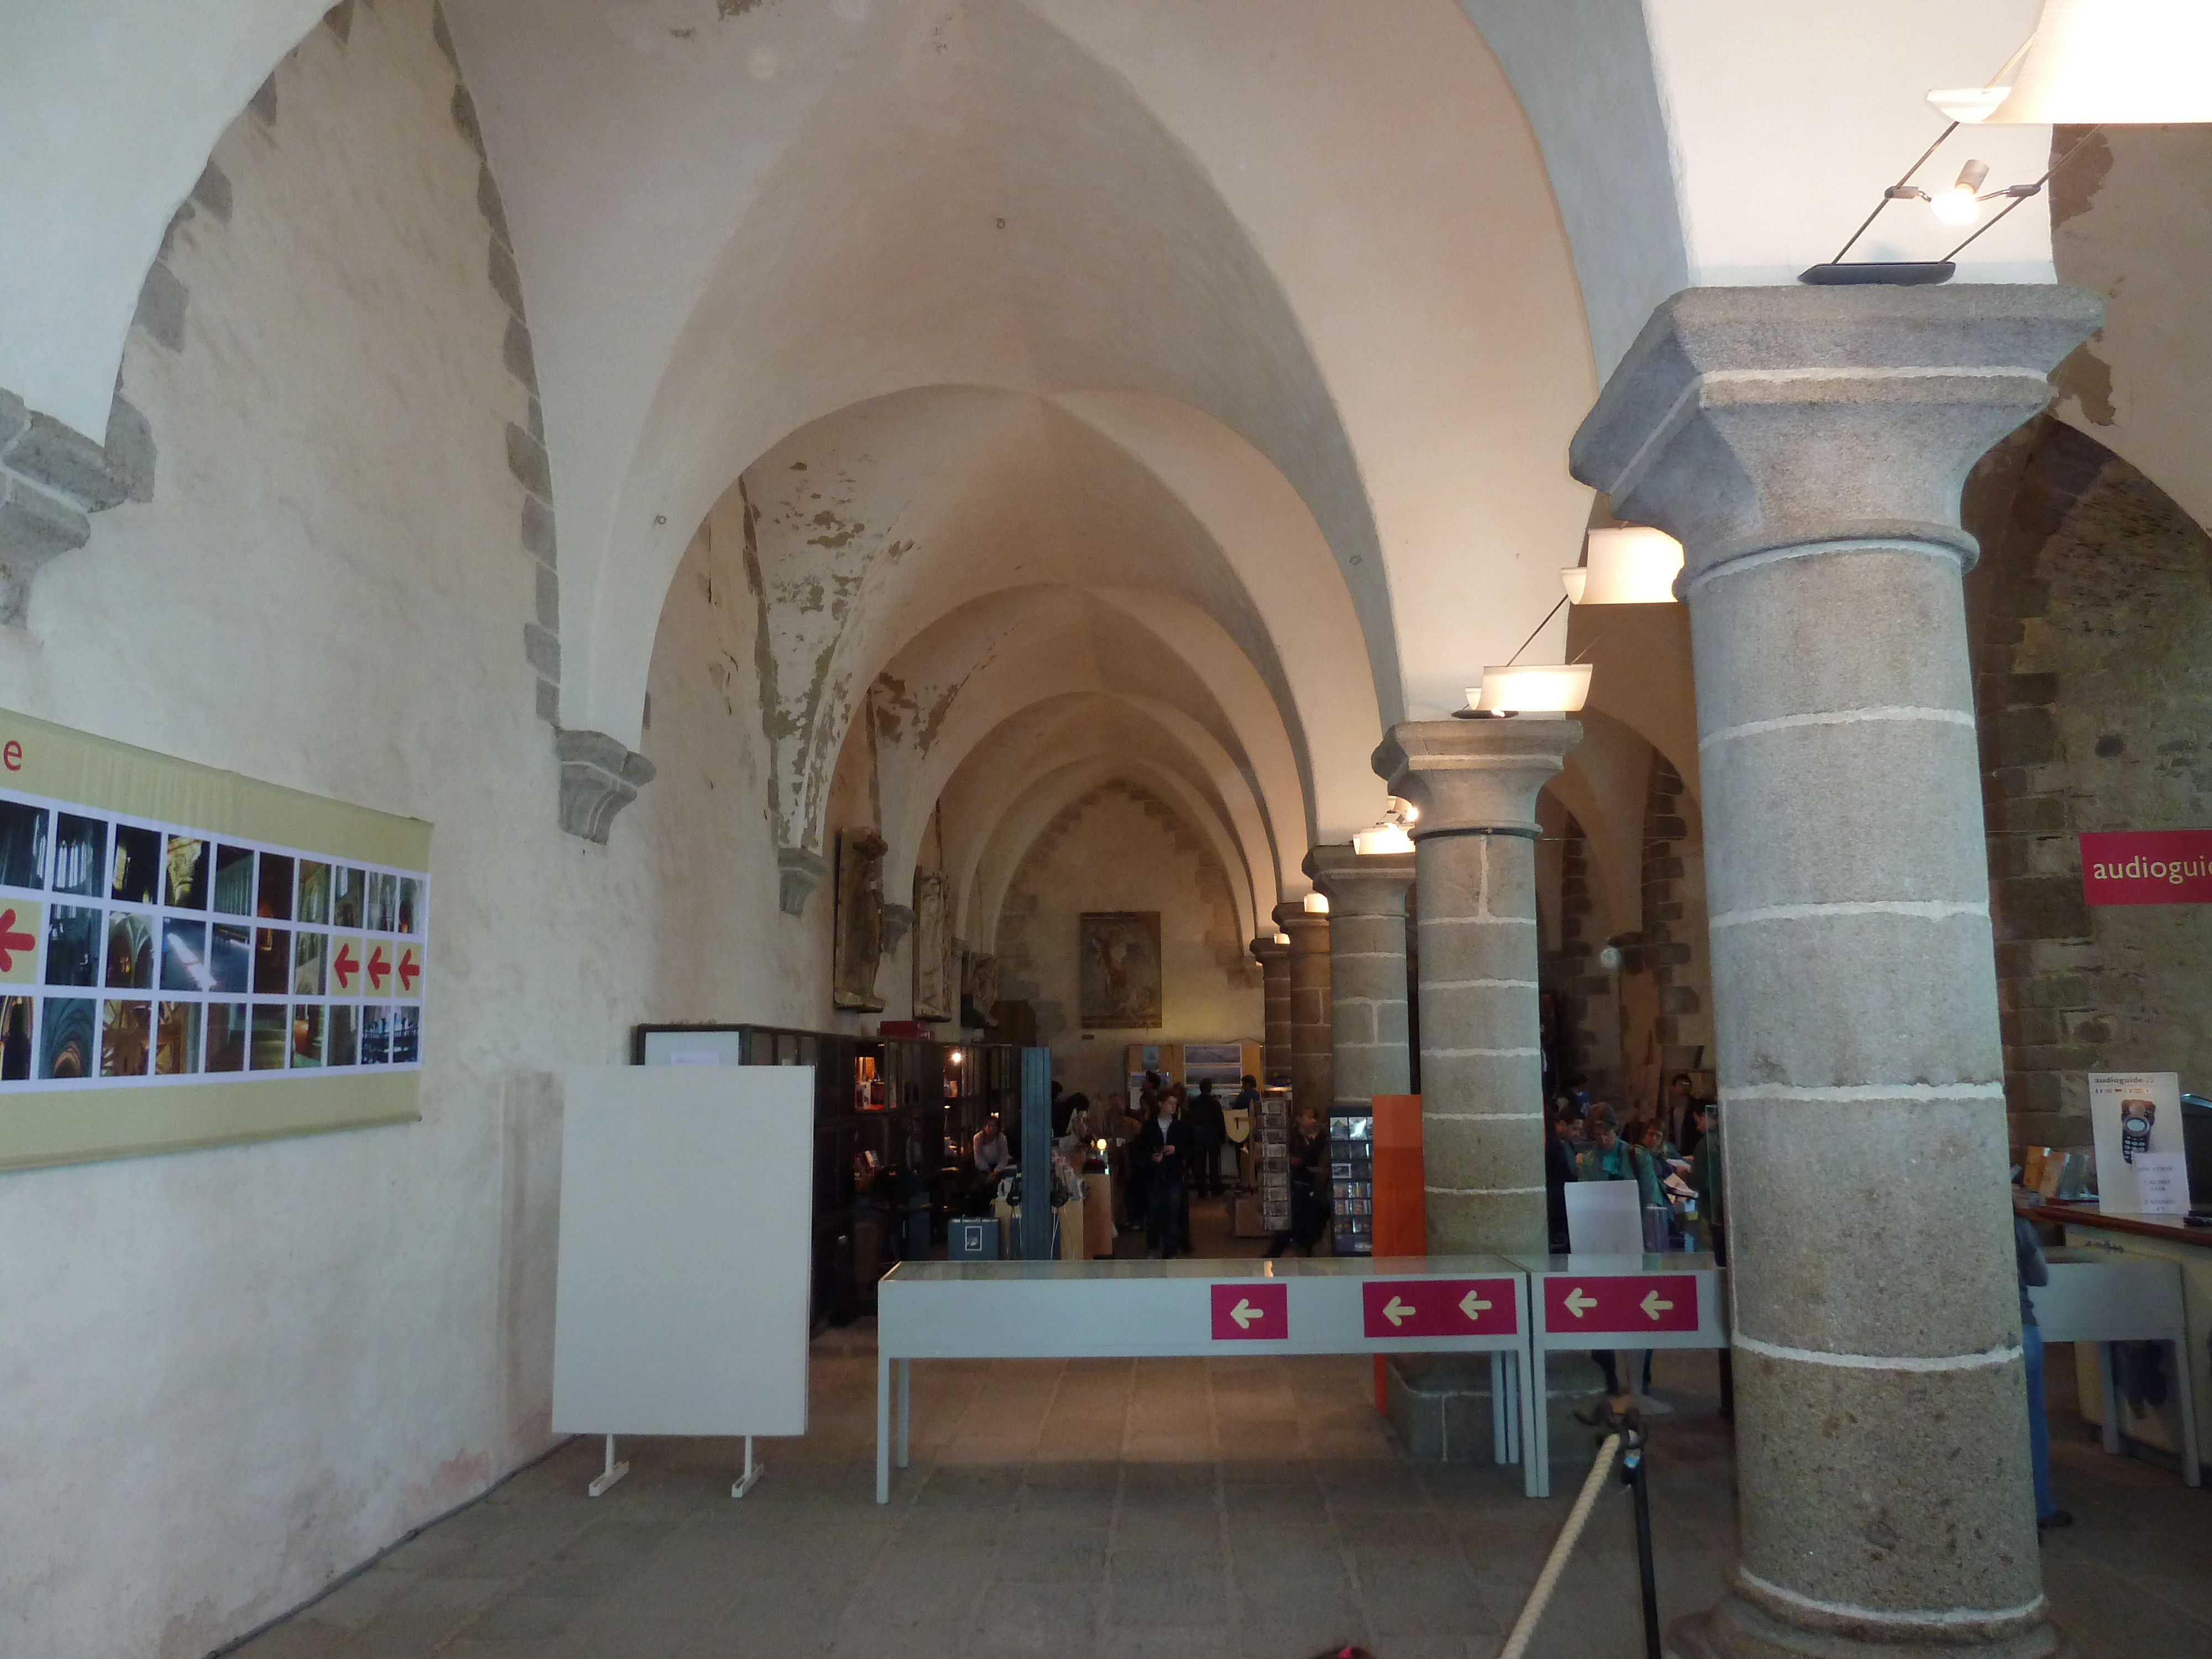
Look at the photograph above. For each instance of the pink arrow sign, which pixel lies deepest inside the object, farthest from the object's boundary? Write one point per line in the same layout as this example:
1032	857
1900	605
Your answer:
1251	1312
1436	1307
1622	1304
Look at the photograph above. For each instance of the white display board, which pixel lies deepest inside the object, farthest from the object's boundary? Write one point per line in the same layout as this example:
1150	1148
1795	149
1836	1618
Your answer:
686	1211
1605	1218
2136	1119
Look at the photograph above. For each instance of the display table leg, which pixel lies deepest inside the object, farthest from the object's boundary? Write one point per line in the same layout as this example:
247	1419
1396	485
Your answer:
609	1476
2191	1471
906	1405
753	1472
2108	1381
882	1428
1537	1415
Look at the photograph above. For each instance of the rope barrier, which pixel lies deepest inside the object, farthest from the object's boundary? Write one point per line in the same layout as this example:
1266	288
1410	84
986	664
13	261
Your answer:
1556	1564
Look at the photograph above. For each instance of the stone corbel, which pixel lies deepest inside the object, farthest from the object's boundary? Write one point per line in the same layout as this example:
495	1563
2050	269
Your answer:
898	922
799	872
52	479
599	778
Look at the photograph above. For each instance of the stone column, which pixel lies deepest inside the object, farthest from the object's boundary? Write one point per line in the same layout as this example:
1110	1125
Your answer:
1482	1072
1275	992
1312	1037
1808	446
1367	968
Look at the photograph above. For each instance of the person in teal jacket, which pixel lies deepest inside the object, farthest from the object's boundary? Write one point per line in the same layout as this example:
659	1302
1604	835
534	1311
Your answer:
1613	1158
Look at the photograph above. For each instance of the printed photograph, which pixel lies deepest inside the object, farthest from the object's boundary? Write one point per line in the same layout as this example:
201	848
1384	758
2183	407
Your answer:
135	869
176	1039
65	1037
126	1038
344	1047
314	891
226	1037
80	855
271	1040
272	961
310	959
73	945
234	880
347	897
230	959
16	1019
383	902
183	956
306	1034
22	844
130	950
187	868
1118	968
376	1034
406	1034
272	895
407	896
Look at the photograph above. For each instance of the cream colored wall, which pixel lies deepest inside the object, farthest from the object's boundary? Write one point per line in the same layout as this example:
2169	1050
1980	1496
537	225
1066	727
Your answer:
229	1376
1119	848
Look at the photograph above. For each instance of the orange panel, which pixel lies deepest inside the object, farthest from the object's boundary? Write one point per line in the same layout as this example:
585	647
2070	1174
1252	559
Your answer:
1401	1212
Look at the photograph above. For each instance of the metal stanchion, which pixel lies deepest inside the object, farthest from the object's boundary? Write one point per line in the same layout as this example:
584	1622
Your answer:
1625	1436
1635	1474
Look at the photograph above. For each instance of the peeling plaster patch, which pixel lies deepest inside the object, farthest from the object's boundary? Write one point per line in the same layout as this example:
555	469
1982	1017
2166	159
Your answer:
726	9
2074	191
2087	378
836	531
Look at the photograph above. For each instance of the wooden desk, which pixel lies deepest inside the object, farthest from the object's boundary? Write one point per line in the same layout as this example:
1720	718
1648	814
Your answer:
2162	1238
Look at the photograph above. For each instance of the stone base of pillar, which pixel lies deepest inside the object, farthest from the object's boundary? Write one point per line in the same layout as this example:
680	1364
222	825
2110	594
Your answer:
1738	1627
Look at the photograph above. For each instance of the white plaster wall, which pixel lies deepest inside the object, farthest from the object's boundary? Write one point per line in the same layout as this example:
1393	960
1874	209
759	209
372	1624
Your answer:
1116	850
229	1376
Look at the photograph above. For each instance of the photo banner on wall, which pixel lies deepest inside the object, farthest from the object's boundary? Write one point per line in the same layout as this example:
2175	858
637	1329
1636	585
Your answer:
190	958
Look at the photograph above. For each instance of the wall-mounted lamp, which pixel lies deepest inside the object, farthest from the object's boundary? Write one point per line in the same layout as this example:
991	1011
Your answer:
1555	689
1384	837
1316	905
954	1057
1633	565
2093	62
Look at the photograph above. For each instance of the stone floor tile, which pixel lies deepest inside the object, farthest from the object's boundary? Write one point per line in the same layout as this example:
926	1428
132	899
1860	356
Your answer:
1155	1588
1166	1642
1053	1555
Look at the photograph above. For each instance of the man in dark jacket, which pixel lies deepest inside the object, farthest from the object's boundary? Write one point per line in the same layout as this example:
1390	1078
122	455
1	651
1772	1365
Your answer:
1209	1129
1163	1151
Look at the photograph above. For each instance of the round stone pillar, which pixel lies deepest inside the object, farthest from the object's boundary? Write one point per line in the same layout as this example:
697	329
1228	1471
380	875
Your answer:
1367	968
1808	446
1482	1070
1275	1004
1312	1065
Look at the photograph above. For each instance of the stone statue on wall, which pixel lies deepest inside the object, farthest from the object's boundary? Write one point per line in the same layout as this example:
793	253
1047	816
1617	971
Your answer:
858	936
983	984
934	986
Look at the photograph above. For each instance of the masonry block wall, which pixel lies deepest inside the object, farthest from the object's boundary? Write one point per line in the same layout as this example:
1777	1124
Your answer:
2091	613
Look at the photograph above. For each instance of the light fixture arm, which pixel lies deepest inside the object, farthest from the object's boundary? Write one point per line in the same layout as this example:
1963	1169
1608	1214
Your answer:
1902	190
1533	632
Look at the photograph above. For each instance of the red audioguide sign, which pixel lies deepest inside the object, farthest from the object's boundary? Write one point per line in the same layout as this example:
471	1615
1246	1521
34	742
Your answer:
1615	1306
2147	866
1436	1307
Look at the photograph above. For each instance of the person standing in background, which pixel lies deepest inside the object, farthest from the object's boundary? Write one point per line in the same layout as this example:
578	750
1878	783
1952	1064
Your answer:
2028	1254
1162	1150
1209	1129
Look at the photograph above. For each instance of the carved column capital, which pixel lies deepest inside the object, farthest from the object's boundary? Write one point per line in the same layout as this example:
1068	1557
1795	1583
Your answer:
1361	884
1479	775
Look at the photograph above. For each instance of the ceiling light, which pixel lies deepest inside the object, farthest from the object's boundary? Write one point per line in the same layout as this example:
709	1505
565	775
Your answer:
1530	688
1316	905
1633	565
1282	938
2100	63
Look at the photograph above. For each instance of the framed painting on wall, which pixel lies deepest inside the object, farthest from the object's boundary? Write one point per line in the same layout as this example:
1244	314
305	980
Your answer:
1118	969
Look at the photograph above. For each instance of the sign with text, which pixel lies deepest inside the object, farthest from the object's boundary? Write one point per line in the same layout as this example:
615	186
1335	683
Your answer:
1248	1312
1625	1304
1436	1307
2133	1116
2147	866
